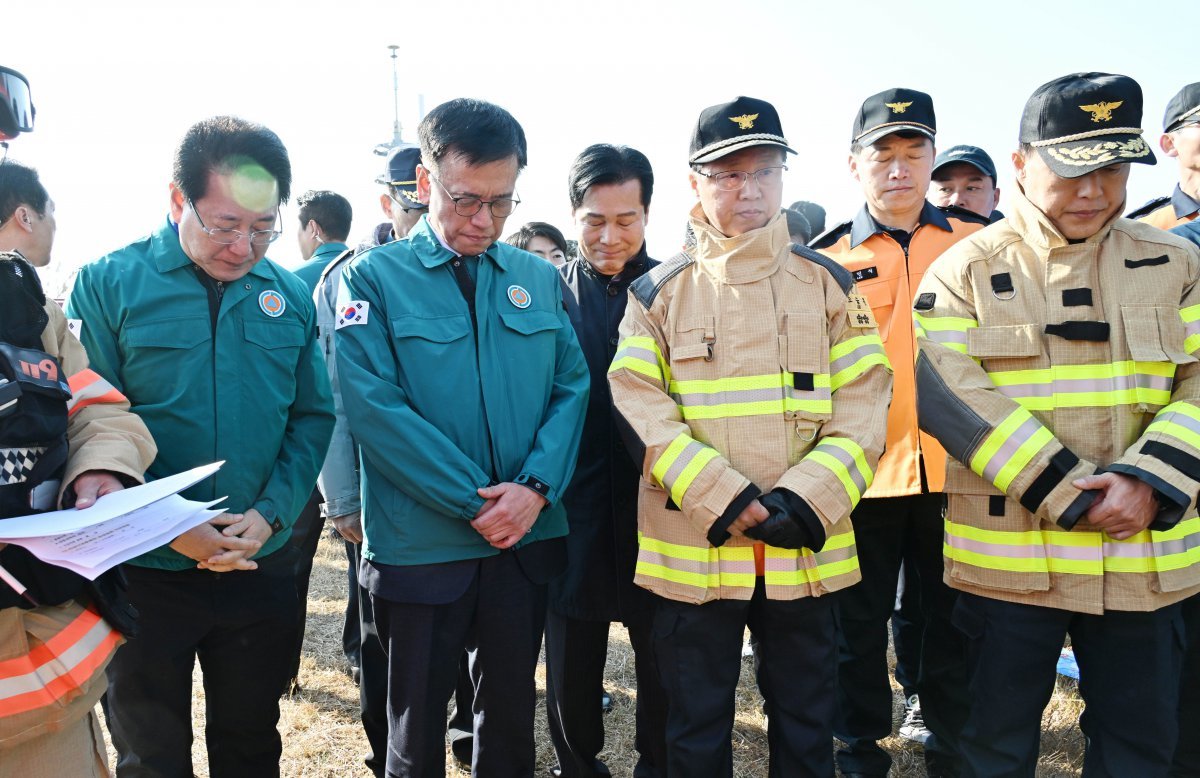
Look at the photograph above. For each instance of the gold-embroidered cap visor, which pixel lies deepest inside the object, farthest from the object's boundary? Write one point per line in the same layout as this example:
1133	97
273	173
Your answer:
727	146
1077	155
872	134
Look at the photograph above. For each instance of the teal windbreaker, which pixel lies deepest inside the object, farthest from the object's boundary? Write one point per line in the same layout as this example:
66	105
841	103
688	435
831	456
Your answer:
437	417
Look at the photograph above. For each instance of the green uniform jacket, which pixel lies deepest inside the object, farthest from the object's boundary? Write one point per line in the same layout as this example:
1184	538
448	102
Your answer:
310	271
435	417
255	394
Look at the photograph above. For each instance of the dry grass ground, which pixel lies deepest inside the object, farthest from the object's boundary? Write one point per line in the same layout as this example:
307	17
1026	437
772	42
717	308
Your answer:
322	737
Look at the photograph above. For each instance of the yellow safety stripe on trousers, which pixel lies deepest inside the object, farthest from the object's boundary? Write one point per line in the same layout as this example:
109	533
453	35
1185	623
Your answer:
847	461
1191	323
1181	421
1076	553
791	567
679	464
758	395
853	357
1009	448
704	567
949	331
641	355
1088	386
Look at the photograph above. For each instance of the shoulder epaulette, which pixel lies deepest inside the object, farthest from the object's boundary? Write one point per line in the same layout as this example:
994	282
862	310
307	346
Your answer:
831	235
333	264
1149	208
962	214
839	273
646	288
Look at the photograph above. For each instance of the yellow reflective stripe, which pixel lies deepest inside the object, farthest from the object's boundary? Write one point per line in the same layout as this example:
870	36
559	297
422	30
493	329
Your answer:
837	455
1009	448
706	555
743	383
1080	386
764	408
1030	551
869	351
679	464
757	395
1175	431
631	354
1179	420
1190	314
949	331
1150	551
811	569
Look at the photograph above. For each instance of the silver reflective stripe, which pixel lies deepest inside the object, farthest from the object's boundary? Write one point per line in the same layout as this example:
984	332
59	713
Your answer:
1151	549
847	459
1084	385
1010	447
687	455
56	667
843	362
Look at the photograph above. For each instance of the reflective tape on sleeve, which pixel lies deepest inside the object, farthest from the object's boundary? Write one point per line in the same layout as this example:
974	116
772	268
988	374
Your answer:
679	465
853	357
759	395
1181	421
1191	322
848	463
1009	448
949	331
88	388
1088	386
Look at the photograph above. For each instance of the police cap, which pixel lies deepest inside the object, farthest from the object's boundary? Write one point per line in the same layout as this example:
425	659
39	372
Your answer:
729	127
1085	121
400	171
891	111
1183	109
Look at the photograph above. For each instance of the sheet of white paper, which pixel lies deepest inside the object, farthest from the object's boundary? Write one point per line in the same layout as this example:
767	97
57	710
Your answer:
93	550
108	507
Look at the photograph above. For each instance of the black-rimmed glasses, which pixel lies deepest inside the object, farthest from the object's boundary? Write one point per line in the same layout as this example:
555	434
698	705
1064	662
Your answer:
501	207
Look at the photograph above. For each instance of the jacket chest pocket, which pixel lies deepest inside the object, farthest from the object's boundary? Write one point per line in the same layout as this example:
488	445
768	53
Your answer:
532	323
1155	334
693	349
880	296
421	339
804	372
157	355
276	344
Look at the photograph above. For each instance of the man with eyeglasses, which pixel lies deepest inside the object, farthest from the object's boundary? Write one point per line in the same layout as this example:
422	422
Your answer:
465	389
887	247
753	388
215	347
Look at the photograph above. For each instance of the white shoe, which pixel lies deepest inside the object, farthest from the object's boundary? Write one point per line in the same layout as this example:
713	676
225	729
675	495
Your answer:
913	728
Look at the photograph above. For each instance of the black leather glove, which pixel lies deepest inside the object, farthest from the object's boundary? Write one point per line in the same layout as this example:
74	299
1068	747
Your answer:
791	523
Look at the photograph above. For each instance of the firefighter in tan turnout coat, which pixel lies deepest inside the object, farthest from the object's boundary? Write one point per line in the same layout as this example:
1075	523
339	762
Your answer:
1058	366
756	394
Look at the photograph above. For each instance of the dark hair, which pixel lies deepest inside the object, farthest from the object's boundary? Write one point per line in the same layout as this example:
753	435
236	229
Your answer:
328	209
478	131
604	163
224	143
814	213
856	147
19	185
531	230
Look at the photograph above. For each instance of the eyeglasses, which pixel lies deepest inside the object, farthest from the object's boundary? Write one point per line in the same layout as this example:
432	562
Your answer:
733	180
501	207
227	237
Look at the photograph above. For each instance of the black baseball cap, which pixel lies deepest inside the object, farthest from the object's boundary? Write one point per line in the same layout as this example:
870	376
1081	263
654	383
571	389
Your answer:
971	155
1183	109
894	110
401	172
729	127
1085	121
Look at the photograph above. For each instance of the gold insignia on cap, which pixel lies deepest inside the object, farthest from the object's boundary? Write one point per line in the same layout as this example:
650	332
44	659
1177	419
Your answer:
1101	112
899	107
745	121
1102	153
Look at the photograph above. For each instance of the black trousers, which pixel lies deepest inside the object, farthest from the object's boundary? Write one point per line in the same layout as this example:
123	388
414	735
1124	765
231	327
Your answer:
306	534
500	618
371	661
352	626
885	530
908	628
240	625
576	651
699	653
1129	664
1187	753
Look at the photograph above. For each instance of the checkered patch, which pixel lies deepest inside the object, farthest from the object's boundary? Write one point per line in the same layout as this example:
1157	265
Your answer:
16	463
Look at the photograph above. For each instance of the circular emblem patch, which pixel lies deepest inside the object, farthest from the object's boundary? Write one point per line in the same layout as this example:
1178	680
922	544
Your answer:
518	296
272	303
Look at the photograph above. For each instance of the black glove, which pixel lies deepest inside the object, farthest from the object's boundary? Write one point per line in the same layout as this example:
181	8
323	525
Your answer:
791	523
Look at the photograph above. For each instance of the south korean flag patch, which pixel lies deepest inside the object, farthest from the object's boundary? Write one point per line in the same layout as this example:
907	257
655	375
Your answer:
352	312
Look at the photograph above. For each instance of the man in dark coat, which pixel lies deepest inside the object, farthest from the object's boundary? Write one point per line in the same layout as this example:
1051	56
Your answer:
610	189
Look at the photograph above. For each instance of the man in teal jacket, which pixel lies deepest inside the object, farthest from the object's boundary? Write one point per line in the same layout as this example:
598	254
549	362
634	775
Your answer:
215	347
465	388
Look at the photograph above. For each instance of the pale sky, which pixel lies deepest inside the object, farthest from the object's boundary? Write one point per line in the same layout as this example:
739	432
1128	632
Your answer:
117	83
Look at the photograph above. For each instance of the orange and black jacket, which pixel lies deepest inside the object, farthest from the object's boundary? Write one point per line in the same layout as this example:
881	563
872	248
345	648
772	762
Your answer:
888	266
1167	213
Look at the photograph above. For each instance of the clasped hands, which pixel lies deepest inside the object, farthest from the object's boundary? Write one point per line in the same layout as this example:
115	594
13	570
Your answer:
225	543
1125	506
508	513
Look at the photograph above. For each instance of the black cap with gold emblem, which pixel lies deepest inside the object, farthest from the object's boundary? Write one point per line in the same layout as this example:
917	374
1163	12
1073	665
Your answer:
400	171
894	110
1184	108
729	127
1086	121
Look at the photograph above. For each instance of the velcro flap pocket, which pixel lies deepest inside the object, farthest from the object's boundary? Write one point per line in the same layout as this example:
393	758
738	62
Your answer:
275	334
440	329
1154	333
1004	341
529	322
691	351
173	333
805	345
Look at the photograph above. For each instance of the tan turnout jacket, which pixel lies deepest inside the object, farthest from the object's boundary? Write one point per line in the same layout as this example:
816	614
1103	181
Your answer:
739	365
1042	361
